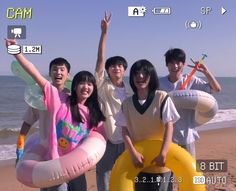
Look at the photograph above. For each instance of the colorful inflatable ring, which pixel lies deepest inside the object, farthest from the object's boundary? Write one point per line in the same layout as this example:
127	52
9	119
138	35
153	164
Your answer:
124	173
18	71
204	104
32	171
33	95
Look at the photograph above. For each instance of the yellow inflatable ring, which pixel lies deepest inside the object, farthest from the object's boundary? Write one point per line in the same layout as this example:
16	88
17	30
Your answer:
178	160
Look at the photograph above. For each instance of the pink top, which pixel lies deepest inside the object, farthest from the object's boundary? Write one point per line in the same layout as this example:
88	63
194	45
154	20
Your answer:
64	133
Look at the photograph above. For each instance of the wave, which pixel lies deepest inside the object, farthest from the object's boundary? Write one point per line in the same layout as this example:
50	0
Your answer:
224	115
7	152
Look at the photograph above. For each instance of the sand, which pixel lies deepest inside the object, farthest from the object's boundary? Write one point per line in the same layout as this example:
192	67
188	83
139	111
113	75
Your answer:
214	144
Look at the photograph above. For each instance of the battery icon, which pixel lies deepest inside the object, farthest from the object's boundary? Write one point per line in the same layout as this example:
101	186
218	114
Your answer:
161	11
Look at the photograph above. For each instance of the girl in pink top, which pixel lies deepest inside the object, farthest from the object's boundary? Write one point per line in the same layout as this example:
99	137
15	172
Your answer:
73	116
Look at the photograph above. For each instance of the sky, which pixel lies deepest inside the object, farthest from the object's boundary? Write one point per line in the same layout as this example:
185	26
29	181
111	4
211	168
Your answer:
71	29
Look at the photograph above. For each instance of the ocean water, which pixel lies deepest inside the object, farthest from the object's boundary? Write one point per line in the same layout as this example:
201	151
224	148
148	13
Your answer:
12	108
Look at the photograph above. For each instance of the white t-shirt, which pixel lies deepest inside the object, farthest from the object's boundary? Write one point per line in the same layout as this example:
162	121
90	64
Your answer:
184	129
111	98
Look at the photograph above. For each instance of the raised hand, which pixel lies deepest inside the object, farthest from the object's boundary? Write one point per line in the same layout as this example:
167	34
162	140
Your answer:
10	42
214	84
199	67
105	22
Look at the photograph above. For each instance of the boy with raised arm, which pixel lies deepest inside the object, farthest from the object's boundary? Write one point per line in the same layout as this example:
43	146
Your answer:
58	70
185	133
112	91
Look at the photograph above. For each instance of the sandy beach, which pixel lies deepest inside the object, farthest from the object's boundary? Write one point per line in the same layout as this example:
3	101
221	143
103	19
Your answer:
213	144
219	144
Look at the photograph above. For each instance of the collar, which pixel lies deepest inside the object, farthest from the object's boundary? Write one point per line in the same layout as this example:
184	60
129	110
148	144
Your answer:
142	108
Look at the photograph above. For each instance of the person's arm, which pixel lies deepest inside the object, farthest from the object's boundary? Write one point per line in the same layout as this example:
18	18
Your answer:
28	66
25	128
100	65
169	117
101	129
21	140
214	84
167	139
29	118
136	157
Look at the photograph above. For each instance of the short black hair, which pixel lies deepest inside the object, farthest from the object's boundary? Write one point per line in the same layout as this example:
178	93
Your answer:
58	62
147	67
175	55
116	60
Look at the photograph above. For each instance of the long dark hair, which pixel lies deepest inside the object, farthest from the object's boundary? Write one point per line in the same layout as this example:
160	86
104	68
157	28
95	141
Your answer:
147	67
95	113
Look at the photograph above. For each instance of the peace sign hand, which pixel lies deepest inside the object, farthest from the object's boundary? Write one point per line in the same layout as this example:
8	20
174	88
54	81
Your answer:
105	22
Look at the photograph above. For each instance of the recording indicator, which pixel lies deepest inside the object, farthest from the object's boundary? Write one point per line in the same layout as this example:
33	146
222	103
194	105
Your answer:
16	32
32	49
161	11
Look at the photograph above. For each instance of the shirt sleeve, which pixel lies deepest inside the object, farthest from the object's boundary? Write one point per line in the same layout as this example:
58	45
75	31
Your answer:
169	112
100	129
31	116
51	97
99	80
200	84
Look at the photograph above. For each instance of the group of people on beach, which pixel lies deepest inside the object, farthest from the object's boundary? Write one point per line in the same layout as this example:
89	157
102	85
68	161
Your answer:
129	113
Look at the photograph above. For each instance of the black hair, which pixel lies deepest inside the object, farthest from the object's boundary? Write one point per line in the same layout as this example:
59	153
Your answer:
58	62
92	103
115	60
149	69
175	55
